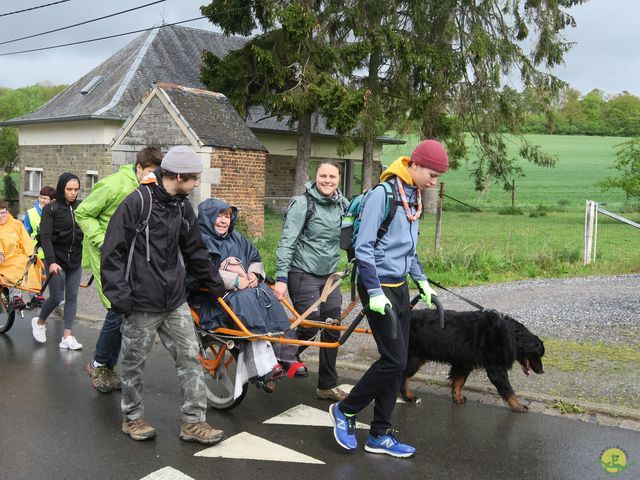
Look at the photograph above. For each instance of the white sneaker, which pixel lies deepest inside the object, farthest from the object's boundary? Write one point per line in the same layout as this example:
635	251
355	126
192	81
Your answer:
39	331
71	343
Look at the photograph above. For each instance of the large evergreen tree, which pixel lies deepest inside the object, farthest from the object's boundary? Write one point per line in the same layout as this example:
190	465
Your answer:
289	68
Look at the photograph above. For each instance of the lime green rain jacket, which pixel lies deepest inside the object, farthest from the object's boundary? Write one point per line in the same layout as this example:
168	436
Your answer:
94	213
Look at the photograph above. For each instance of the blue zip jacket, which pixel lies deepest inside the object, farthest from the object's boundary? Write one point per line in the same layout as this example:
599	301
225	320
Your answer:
395	256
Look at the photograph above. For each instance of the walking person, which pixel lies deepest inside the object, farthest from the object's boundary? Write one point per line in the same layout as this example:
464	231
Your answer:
32	225
34	215
383	265
93	216
61	240
151	238
308	253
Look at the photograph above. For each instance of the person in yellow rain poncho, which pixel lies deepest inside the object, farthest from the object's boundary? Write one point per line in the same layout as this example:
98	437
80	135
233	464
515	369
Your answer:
16	250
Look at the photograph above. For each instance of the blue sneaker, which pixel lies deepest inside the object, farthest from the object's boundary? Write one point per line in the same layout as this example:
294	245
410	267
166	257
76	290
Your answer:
344	428
390	445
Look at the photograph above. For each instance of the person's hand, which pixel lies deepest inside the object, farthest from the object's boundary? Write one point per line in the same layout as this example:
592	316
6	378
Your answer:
54	268
253	280
280	289
242	283
378	303
426	292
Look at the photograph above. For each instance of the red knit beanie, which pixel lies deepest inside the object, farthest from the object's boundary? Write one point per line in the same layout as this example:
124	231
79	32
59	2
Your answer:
431	154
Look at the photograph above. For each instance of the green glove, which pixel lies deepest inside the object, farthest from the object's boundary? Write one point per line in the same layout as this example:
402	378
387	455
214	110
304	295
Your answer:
426	292
377	303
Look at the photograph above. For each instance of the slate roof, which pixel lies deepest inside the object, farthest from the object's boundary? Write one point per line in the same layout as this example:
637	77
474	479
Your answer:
170	54
212	117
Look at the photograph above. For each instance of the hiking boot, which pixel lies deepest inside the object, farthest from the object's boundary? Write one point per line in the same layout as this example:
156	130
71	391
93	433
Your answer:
18	303
336	394
200	432
138	429
344	427
100	378
70	343
389	445
114	378
39	331
59	311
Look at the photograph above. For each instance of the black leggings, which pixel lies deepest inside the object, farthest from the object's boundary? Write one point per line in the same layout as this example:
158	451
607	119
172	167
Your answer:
381	383
63	286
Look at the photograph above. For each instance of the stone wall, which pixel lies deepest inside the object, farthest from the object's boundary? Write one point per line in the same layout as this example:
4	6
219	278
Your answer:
56	159
280	174
242	184
155	126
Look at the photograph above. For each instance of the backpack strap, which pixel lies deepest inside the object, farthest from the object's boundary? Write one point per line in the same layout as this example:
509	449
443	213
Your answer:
311	209
389	209
141	225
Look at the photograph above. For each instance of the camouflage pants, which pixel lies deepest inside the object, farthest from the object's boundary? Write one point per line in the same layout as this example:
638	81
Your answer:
176	333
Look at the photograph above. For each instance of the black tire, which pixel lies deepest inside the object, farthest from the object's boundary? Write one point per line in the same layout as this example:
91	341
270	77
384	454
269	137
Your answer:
219	387
7	315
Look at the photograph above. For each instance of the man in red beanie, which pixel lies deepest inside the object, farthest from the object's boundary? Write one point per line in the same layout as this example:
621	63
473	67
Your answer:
383	265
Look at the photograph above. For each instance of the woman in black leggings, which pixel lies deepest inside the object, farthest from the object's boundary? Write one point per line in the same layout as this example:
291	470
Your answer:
61	240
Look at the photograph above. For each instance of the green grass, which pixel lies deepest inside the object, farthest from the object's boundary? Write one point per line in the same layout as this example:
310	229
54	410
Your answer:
481	248
583	161
566	407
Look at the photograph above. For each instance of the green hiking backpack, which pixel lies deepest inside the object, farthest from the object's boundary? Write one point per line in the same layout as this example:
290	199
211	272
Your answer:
353	216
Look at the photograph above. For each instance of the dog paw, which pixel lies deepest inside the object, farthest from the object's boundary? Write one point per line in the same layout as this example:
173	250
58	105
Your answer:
519	408
459	400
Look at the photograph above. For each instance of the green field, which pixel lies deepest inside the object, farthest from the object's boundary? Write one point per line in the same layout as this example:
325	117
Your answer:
582	161
488	247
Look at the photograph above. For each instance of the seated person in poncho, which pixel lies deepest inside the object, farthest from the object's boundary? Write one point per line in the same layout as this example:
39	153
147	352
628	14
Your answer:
243	273
16	249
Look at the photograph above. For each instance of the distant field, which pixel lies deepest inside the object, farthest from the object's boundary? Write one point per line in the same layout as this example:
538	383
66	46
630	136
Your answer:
583	161
486	247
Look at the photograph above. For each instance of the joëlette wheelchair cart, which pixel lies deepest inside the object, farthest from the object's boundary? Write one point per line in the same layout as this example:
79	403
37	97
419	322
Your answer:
33	280
219	348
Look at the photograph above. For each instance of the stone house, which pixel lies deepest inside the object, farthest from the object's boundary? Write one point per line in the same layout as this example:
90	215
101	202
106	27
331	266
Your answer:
78	130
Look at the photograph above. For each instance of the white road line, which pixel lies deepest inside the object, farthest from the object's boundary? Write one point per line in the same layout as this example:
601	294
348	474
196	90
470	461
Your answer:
308	416
250	447
347	388
167	473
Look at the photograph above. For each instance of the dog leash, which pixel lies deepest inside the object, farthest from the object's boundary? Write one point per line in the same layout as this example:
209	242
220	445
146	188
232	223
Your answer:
470	302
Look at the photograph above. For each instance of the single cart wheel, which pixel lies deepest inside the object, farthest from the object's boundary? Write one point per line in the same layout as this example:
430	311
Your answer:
7	314
220	364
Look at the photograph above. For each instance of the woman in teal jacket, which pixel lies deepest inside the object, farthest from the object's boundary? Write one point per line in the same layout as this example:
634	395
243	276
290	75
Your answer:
308	253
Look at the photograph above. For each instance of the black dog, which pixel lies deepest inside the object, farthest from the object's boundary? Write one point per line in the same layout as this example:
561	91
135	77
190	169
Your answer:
478	339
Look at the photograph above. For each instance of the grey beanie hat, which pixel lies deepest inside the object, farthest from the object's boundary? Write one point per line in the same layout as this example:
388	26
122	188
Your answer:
181	159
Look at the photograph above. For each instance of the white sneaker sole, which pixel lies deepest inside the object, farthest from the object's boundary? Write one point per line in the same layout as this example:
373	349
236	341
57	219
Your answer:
387	452
64	346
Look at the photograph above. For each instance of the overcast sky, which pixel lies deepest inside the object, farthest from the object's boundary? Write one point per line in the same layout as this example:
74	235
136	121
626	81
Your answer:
606	54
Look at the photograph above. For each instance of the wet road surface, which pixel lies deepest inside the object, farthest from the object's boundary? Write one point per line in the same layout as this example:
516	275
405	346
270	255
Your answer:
53	425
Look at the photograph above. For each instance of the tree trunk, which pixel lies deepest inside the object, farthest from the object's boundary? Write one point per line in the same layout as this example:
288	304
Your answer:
367	164
303	138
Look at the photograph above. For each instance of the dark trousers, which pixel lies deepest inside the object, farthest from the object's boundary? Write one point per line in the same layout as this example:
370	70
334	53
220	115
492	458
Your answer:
304	290
63	286
109	340
381	383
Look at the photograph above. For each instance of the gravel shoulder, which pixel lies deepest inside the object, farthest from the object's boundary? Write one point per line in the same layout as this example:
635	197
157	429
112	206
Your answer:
591	329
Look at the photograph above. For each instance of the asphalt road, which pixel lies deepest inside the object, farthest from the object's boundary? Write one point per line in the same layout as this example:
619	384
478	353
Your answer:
53	425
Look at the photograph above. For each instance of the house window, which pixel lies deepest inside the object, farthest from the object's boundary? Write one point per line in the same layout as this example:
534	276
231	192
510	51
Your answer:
33	181
92	178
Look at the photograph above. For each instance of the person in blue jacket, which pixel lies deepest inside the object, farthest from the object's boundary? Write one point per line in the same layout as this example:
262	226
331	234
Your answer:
383	266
